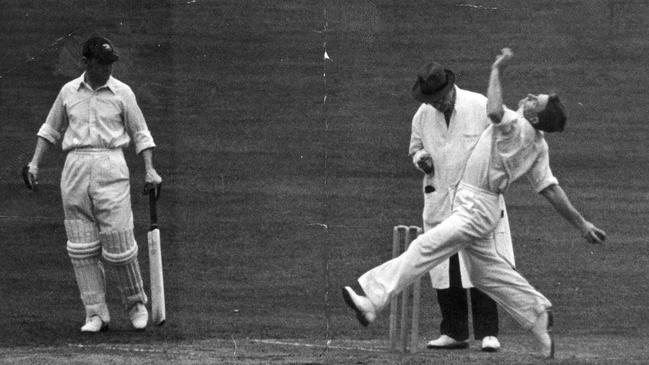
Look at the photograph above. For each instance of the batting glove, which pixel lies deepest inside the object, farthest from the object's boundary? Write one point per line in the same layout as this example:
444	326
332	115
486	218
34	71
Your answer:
152	181
30	176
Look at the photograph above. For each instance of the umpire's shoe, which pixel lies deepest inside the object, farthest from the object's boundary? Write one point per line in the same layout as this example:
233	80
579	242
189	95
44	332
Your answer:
542	330
94	324
139	316
365	312
445	342
490	344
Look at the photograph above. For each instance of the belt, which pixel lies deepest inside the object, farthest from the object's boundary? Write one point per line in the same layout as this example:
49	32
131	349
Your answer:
476	189
94	149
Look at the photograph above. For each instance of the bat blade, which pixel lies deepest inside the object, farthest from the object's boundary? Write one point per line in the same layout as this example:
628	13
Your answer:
158	313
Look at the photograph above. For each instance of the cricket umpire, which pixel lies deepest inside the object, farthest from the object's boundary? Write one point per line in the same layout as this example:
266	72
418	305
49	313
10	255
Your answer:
96	116
445	129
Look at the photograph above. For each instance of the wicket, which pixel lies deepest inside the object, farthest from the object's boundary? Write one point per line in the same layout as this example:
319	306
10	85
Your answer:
402	236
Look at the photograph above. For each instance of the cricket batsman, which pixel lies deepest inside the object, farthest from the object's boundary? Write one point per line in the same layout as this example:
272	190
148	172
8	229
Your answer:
513	146
96	116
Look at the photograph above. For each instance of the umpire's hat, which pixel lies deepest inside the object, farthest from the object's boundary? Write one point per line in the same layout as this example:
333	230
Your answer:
433	81
99	48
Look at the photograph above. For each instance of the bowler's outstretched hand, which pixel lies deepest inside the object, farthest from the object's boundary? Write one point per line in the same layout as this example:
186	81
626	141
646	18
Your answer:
503	58
593	234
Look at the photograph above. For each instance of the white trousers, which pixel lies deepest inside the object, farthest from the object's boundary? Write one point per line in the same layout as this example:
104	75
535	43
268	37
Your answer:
95	188
475	216
95	191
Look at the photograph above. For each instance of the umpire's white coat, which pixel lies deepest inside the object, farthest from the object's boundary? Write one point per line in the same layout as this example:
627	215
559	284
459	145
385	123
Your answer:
450	147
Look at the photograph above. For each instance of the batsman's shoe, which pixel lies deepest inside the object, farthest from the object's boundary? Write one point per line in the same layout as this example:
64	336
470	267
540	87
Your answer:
542	331
490	344
365	312
94	324
445	342
139	316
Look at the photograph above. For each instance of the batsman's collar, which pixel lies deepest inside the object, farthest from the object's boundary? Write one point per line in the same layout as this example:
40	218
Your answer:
101	49
80	81
433	82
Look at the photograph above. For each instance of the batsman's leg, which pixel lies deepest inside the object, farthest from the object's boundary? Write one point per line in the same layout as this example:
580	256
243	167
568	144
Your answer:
120	251
110	189
83	245
84	249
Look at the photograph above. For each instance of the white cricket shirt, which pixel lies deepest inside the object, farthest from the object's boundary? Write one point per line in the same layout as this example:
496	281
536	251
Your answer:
104	118
518	150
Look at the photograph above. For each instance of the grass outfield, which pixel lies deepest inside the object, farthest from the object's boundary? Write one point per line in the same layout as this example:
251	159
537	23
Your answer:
256	165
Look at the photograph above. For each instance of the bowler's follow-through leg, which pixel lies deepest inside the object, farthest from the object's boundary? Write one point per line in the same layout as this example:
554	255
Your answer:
399	305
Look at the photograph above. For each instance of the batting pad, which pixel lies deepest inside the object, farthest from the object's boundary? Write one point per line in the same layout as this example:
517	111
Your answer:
84	249
80	231
120	251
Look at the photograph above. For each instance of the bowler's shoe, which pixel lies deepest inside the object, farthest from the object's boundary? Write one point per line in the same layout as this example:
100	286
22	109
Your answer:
542	331
94	324
445	342
139	316
365	312
490	344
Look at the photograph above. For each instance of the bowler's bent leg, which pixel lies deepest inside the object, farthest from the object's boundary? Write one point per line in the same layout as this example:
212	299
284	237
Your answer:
424	253
495	277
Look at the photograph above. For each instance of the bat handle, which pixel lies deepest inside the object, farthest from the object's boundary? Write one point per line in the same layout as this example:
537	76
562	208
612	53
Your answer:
152	209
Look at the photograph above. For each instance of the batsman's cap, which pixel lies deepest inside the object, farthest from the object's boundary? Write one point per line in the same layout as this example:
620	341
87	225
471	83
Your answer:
99	48
433	82
553	118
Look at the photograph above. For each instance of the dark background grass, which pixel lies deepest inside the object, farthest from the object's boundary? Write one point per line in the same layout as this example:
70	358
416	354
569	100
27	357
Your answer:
273	197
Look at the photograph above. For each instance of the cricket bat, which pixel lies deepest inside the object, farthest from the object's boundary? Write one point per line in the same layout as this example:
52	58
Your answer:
158	314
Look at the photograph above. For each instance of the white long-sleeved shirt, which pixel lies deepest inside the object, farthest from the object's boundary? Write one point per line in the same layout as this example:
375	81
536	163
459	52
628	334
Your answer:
108	117
507	151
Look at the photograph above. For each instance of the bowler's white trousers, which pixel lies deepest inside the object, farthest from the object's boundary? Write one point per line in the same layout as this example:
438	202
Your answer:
475	215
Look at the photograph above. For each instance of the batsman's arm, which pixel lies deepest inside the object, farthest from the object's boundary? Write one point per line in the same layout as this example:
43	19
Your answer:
147	157
50	133
42	145
151	179
30	172
559	200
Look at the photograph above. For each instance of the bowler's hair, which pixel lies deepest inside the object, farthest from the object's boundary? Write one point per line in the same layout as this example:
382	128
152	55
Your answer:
553	117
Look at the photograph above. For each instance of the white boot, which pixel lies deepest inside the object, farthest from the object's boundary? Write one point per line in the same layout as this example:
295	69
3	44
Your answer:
94	324
139	316
542	332
445	342
490	344
97	318
365	312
